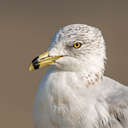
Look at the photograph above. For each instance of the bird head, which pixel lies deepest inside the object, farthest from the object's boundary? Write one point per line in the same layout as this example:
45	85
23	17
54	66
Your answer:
76	48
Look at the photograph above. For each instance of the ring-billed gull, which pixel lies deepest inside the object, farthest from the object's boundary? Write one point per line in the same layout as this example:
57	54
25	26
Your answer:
75	93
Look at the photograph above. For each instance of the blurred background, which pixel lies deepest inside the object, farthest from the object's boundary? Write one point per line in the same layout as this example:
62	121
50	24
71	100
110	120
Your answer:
26	28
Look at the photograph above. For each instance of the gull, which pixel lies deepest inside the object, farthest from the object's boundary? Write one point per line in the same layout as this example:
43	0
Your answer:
74	93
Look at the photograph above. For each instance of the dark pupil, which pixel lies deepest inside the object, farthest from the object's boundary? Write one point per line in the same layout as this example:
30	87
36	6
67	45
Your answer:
77	44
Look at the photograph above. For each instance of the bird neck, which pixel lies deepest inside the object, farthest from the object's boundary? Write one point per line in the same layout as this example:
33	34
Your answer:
91	78
88	78
93	72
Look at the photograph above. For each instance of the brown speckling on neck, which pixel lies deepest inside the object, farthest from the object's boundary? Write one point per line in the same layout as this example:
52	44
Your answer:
93	79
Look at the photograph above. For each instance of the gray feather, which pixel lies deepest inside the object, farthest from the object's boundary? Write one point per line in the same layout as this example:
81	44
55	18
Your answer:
116	96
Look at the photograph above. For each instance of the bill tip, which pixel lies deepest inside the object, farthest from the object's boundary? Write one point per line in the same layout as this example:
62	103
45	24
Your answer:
31	68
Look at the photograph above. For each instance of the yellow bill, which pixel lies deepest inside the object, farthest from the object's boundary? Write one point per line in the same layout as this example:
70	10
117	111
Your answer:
42	60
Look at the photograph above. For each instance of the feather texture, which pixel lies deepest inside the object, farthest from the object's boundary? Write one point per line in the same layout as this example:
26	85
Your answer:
74	93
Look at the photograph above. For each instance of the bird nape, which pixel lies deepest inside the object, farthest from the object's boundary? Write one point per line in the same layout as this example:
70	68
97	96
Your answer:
74	93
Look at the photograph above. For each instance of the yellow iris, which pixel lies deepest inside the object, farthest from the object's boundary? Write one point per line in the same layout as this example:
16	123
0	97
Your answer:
77	45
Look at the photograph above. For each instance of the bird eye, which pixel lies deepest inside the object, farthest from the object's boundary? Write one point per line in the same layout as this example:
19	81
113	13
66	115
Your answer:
77	45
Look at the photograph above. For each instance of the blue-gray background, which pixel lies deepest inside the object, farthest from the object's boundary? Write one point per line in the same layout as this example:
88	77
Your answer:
26	28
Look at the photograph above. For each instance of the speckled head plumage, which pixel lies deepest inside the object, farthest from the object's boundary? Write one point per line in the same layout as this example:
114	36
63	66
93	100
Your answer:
91	53
83	32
